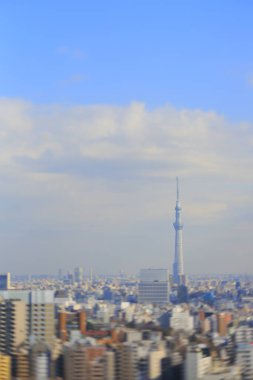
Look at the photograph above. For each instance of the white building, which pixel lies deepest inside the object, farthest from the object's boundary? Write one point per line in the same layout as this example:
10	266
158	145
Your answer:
244	358
40	362
155	366
224	373
133	336
244	334
198	363
41	365
181	319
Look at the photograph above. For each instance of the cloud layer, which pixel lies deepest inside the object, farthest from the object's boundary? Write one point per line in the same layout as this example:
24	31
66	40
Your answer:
98	182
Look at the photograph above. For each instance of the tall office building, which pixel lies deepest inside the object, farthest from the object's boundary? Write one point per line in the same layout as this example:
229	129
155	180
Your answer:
5	367
198	362
223	320
40	357
5	281
75	362
42	316
154	286
127	362
21	364
13	326
85	362
178	266
244	358
39	312
244	334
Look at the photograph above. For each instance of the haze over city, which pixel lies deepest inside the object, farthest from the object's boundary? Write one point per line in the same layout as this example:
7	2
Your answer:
102	106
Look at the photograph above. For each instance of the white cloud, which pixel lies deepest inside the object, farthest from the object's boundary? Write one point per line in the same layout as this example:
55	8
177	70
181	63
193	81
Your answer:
190	142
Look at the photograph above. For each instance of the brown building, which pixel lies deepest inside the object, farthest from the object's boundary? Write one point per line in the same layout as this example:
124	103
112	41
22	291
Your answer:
75	362
68	321
126	362
223	319
202	315
83	362
21	365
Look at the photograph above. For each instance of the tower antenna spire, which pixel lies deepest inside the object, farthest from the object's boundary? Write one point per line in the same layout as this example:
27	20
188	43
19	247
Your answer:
177	189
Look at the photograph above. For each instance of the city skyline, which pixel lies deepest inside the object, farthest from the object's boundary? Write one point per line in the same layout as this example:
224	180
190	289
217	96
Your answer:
102	106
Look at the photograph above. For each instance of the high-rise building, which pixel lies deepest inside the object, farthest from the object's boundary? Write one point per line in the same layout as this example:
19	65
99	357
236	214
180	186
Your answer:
127	362
13	325
244	334
198	362
75	362
181	319
42	316
109	368
154	286
155	363
102	368
40	312
178	266
223	320
5	281
5	367
21	364
40	362
85	362
244	358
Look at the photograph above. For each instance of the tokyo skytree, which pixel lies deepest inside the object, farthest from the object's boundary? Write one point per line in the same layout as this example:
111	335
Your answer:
178	266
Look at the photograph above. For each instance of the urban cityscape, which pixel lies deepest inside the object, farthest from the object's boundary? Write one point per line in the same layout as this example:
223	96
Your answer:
157	325
126	183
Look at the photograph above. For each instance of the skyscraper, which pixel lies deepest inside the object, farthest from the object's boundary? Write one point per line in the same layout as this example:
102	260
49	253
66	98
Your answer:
178	266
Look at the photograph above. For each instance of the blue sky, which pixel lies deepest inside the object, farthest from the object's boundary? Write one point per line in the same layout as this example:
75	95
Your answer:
189	53
102	105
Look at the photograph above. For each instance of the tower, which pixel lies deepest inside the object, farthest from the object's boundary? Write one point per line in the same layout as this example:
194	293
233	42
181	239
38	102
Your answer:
178	266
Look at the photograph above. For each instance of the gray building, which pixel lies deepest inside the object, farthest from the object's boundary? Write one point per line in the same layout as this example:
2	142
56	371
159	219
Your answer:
154	286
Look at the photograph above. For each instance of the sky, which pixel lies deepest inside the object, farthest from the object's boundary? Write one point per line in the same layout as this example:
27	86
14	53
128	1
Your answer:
102	105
